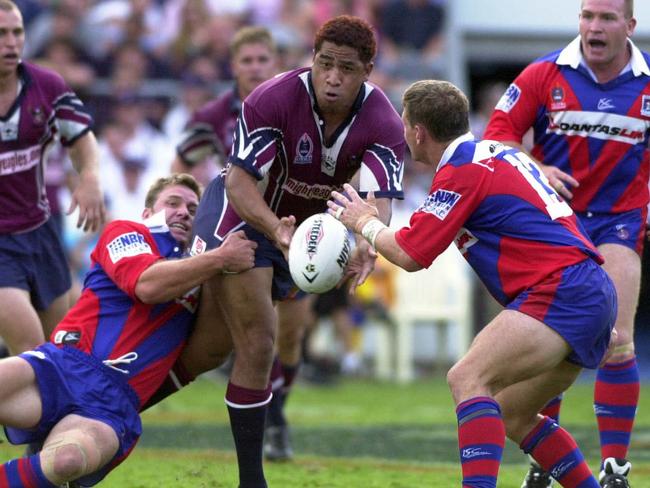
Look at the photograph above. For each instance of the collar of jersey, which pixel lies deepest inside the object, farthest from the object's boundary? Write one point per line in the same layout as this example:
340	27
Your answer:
572	56
451	148
157	222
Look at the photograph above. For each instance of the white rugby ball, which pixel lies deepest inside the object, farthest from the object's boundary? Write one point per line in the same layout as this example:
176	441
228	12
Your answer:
318	253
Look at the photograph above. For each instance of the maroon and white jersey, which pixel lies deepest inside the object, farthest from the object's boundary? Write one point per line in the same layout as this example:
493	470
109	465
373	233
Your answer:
279	140
210	130
45	109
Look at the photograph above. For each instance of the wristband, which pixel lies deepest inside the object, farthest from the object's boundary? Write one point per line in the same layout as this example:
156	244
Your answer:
371	229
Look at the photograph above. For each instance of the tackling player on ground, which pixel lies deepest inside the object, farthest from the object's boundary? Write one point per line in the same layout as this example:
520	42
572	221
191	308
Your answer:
81	392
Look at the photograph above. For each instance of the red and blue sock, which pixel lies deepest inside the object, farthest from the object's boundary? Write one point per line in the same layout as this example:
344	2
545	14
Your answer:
557	453
481	437
616	396
552	409
24	473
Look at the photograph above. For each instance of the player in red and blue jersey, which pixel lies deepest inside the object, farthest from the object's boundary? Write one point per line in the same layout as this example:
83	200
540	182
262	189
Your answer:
36	108
527	246
81	392
300	135
589	107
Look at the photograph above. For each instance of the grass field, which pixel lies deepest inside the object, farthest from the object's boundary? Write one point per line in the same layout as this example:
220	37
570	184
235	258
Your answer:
355	434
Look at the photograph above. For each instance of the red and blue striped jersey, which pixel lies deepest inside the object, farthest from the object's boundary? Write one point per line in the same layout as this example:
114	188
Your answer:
504	217
110	323
596	132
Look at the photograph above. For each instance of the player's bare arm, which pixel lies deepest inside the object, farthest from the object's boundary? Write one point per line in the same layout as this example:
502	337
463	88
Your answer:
168	279
87	195
242	192
362	217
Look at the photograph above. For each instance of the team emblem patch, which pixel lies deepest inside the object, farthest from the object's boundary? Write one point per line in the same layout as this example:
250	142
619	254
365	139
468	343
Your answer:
645	105
198	246
509	99
127	245
304	150
557	95
440	203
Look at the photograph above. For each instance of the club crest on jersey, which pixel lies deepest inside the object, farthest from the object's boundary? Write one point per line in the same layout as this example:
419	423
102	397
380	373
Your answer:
304	150
509	99
127	245
440	203
557	95
198	246
645	105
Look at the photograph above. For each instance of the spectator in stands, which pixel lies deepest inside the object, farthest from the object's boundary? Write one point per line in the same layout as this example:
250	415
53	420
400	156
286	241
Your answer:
494	202
80	393
412	38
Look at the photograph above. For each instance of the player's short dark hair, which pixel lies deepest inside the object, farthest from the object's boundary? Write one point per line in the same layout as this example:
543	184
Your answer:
160	184
439	106
251	35
346	30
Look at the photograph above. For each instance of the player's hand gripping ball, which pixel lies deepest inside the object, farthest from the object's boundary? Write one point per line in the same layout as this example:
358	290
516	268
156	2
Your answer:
319	252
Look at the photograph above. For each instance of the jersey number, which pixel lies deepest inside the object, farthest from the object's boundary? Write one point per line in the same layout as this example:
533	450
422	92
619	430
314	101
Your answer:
555	207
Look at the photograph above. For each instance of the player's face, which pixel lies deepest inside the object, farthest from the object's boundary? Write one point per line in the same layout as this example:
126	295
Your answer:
180	204
410	135
252	65
337	75
12	40
604	30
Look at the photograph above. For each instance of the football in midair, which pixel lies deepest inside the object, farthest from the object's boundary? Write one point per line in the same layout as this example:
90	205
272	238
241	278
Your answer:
318	253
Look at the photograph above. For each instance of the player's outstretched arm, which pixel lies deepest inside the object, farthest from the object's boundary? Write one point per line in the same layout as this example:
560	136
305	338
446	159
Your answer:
362	217
168	279
87	195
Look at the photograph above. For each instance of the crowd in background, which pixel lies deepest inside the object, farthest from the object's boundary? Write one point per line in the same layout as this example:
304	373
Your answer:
143	66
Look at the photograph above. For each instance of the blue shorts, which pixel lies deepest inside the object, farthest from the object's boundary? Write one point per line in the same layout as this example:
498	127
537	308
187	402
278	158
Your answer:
579	303
73	382
35	261
213	223
626	228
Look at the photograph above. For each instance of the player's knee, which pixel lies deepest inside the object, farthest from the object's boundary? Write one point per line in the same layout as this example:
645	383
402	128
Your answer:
457	380
70	461
622	351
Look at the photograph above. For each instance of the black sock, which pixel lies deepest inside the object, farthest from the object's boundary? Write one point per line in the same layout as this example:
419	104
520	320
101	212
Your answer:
247	426
275	414
247	410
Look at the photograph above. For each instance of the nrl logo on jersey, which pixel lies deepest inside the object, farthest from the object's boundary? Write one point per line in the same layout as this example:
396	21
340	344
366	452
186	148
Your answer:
440	203
127	245
304	150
